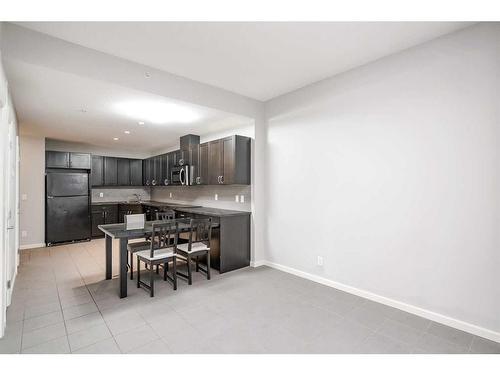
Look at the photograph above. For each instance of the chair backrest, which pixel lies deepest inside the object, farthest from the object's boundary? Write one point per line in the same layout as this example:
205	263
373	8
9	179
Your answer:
165	215
201	231
164	235
134	221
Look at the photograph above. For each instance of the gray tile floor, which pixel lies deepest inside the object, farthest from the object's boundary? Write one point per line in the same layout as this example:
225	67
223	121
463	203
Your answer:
61	304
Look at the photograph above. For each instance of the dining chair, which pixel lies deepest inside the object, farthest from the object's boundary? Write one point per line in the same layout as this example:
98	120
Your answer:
198	244
161	251
134	247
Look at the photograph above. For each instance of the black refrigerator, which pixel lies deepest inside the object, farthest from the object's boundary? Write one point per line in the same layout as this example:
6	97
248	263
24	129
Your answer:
67	207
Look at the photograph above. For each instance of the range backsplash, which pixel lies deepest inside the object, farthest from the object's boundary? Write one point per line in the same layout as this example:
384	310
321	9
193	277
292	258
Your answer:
205	196
119	194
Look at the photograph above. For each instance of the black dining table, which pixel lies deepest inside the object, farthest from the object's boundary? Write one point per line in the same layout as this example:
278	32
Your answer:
119	231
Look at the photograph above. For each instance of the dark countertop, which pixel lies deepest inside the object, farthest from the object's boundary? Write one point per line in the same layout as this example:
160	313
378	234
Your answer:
189	208
120	231
146	203
209	211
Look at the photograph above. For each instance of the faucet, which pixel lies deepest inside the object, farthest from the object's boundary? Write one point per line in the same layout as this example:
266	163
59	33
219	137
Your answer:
138	197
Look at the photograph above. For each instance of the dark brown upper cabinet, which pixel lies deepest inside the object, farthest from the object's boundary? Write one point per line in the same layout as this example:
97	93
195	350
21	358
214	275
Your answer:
165	170
79	160
156	174
229	161
201	173
170	165
110	171
146	172
97	171
177	157
135	172
63	159
56	159
214	162
123	172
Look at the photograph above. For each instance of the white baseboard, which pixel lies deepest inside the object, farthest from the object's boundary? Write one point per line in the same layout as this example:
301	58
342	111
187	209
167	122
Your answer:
431	315
257	263
31	246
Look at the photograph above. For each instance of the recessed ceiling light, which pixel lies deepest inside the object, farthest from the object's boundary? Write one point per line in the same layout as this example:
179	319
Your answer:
157	111
115	138
126	132
141	122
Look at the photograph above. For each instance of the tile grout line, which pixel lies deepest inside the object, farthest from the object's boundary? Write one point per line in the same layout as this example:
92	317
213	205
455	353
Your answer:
60	305
98	309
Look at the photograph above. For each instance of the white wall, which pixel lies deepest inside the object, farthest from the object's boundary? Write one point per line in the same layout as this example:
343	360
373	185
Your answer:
32	187
394	170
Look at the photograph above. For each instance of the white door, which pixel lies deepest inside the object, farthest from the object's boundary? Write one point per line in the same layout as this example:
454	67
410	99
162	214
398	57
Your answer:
3	209
11	209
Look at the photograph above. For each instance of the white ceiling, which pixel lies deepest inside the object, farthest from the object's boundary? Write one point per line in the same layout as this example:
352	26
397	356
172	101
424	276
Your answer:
258	60
50	102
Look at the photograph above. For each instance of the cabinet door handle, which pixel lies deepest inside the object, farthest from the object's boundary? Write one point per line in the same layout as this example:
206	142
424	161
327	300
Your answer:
221	179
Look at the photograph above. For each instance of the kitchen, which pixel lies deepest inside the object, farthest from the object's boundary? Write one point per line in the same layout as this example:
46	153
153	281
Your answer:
221	162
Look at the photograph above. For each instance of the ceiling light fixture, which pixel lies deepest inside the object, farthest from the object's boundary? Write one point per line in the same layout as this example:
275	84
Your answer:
141	122
127	132
157	111
115	139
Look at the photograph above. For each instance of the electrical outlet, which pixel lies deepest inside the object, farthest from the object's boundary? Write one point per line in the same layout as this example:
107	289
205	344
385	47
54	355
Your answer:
242	198
236	198
216	197
24	233
320	260
170	195
101	195
24	197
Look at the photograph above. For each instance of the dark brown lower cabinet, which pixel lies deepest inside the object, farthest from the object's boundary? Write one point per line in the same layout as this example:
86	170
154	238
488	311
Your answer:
230	243
103	214
128	209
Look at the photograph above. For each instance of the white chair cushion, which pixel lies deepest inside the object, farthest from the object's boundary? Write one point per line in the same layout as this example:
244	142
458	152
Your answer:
158	254
197	246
